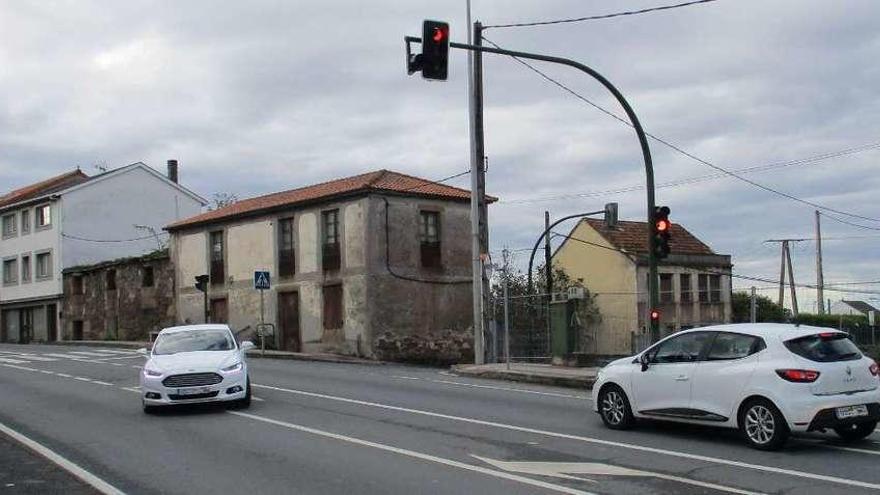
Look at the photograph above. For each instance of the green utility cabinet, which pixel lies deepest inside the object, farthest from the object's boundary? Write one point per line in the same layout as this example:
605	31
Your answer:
564	327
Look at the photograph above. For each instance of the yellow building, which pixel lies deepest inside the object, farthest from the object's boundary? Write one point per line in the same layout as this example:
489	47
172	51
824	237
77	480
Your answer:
695	283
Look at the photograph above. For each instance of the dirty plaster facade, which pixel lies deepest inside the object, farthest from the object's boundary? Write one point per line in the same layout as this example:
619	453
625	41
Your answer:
125	299
382	315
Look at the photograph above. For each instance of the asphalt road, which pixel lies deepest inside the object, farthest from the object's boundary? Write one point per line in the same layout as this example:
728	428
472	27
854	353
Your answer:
372	429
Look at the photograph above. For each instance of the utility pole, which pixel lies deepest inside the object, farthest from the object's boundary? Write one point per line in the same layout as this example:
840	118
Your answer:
479	220
548	271
786	260
506	255
820	296
794	304
782	275
754	307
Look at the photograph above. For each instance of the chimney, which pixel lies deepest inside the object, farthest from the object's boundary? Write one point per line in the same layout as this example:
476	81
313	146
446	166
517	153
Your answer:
172	171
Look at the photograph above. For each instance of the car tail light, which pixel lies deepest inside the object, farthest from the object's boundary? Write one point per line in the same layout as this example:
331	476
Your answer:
798	376
875	370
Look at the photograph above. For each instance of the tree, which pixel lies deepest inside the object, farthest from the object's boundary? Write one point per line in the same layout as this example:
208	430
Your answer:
222	200
767	310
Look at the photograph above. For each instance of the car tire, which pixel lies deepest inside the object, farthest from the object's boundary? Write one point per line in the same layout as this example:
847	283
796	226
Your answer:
150	409
614	408
246	401
855	432
762	425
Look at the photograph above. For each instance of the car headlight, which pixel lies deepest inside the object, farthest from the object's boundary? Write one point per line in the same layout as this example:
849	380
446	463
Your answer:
232	369
152	373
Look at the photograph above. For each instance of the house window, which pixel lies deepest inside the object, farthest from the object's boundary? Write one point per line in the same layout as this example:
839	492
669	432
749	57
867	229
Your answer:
666	293
286	254
9	229
44	216
330	236
44	265
687	295
111	279
715	288
10	271
218	272
333	307
25	221
25	269
147	276
77	287
429	236
703	280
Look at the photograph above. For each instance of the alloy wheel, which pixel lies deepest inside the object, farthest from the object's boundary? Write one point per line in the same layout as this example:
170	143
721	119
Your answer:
760	424
613	407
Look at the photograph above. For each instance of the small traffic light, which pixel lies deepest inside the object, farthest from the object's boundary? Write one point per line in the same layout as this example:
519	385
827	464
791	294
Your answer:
202	283
661	229
655	316
435	50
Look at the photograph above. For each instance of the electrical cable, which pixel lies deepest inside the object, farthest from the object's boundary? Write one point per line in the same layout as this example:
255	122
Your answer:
69	236
682	151
602	16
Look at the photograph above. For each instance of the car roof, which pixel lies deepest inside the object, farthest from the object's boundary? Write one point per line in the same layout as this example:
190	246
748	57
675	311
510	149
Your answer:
784	331
188	328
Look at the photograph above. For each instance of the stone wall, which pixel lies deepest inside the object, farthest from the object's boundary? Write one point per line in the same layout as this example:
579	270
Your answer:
130	311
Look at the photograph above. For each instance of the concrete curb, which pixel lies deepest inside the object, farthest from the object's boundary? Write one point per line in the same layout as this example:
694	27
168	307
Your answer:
578	382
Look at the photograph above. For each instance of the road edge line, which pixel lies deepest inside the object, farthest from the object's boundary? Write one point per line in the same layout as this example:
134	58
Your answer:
62	462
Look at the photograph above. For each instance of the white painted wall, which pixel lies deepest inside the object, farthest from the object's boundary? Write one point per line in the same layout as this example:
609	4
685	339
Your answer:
30	244
107	208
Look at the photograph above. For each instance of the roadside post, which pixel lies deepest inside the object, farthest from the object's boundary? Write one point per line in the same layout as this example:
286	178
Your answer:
262	284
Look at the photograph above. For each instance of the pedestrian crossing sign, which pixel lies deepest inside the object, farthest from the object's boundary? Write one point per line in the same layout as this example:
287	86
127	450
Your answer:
261	280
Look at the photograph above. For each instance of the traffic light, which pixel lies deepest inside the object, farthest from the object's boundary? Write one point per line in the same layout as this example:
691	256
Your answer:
655	316
435	50
202	283
661	231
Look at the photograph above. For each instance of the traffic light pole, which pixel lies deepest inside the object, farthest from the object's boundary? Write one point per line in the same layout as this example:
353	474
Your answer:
546	234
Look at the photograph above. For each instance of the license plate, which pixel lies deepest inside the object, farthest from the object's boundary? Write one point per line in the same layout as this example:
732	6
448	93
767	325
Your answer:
851	411
193	391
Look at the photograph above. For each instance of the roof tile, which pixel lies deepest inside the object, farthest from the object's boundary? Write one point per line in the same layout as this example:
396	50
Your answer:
42	188
633	237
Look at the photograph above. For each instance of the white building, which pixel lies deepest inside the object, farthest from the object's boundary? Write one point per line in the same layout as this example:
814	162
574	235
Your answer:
857	308
73	219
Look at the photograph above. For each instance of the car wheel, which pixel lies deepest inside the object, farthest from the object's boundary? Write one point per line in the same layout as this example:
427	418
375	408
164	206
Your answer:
150	409
762	425
854	432
615	409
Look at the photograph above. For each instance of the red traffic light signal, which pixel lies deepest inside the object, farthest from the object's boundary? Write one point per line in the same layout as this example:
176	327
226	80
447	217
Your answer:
660	233
655	315
434	60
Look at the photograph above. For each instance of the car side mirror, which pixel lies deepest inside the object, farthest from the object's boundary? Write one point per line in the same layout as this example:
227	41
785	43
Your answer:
246	345
644	360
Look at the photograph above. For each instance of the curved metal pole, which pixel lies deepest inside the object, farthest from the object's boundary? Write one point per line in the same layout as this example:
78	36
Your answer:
544	234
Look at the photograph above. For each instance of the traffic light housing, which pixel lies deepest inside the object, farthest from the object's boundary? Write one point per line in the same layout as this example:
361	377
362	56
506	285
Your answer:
202	283
655	316
434	60
661	227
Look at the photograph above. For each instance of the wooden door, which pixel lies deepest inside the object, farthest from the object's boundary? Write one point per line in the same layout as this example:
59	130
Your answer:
51	323
26	325
288	321
219	311
333	307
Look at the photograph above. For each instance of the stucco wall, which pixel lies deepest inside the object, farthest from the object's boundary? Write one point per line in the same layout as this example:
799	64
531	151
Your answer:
45	239
611	277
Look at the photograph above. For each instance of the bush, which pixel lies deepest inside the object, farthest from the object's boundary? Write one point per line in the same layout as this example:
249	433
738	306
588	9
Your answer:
872	352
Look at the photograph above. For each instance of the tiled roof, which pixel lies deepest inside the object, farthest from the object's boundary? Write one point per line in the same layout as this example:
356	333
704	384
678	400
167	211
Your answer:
378	181
633	237
47	186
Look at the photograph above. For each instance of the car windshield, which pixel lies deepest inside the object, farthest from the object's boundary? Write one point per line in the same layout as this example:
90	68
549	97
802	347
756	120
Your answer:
192	341
825	347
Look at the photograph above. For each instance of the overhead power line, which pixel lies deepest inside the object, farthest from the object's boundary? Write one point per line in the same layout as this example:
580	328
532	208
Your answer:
707	177
85	239
438	181
601	16
681	150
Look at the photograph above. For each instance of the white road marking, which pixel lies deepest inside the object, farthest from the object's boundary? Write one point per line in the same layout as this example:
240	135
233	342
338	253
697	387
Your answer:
88	354
414	454
102	383
87	477
47	372
405	377
30	357
491	387
82	379
63	356
116	358
131	389
565	469
65	375
258	399
11	361
597	441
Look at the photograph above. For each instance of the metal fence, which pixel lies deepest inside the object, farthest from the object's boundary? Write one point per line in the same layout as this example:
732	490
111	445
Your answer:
528	326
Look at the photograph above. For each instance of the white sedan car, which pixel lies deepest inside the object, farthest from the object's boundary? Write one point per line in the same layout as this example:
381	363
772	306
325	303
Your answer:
767	380
195	363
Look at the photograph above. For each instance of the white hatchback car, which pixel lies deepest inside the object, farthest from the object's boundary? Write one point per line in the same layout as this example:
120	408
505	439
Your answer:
195	363
767	380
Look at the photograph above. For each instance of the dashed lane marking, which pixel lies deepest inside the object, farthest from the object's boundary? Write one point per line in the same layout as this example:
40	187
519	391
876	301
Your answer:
65	375
87	477
414	454
82	379
88	354
12	361
31	357
102	383
591	440
493	387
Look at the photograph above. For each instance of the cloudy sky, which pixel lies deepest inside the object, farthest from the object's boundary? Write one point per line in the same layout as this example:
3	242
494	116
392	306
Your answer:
254	97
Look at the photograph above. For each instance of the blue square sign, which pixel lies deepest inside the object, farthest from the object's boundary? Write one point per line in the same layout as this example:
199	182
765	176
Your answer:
261	280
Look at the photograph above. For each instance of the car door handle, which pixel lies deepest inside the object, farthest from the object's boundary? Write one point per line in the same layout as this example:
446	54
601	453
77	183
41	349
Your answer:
681	378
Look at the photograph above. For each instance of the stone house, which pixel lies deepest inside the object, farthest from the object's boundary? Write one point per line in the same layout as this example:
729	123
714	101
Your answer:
124	299
695	282
74	219
375	265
